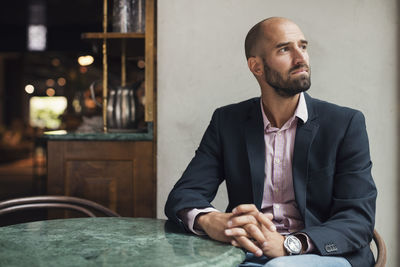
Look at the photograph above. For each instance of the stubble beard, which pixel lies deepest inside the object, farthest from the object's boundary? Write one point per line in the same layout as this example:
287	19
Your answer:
290	86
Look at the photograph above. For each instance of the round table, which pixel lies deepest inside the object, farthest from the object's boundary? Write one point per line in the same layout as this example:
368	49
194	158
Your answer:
110	241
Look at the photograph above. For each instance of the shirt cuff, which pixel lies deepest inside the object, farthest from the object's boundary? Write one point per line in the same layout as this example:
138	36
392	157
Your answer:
188	216
310	245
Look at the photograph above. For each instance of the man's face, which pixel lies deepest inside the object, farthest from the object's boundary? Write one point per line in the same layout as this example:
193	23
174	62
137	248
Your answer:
286	61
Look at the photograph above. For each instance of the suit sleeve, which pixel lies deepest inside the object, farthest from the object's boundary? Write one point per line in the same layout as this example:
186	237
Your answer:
352	217
200	181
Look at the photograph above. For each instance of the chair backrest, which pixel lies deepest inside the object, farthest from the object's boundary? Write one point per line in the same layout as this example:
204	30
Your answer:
84	206
380	250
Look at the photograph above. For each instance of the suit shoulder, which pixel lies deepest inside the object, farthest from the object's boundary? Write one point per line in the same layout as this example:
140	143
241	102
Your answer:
327	109
333	114
240	107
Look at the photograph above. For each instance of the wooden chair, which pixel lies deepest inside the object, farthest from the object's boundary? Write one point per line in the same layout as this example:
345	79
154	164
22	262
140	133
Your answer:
84	206
380	250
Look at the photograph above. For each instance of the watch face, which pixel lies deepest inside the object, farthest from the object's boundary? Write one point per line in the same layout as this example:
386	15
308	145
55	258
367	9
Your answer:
293	244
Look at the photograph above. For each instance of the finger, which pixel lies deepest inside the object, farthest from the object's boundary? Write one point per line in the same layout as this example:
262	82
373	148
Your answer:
245	208
238	231
263	219
255	233
242	220
235	243
250	231
245	243
270	216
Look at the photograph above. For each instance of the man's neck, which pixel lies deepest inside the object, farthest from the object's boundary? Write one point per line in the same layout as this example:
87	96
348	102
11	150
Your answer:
278	109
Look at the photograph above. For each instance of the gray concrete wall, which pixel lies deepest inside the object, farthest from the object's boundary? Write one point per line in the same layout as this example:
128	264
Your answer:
201	66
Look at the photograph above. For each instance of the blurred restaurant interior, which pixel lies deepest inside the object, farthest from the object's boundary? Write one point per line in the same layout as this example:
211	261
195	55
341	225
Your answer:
52	73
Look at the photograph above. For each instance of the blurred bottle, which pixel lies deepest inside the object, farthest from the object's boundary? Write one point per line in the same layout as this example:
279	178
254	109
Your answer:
122	16
138	15
129	16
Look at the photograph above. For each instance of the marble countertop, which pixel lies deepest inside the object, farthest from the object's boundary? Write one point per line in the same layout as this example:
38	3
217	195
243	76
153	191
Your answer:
117	135
110	241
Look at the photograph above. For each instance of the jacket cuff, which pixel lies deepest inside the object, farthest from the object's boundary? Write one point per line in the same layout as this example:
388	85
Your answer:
305	240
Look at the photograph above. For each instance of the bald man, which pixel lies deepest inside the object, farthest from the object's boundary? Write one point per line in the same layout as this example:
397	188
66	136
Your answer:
297	169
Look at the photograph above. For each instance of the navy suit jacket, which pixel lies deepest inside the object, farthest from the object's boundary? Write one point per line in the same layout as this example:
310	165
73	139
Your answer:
332	178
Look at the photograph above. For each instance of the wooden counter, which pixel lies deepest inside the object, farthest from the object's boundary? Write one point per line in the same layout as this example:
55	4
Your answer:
118	174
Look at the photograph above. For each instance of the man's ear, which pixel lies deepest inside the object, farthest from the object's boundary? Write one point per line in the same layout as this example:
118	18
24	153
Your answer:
256	66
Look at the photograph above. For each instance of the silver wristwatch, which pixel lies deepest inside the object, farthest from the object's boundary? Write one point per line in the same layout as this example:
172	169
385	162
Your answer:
292	245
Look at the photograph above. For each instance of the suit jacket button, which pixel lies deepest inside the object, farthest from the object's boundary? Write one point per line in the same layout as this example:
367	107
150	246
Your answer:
330	248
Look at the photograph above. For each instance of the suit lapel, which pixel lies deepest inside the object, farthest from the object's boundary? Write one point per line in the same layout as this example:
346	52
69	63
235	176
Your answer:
305	134
254	134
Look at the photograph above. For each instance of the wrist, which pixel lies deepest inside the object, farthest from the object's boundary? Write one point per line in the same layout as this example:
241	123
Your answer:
201	220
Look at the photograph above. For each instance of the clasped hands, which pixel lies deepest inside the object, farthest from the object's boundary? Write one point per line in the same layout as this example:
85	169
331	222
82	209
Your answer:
245	227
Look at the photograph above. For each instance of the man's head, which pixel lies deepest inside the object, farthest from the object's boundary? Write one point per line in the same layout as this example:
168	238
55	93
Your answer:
276	52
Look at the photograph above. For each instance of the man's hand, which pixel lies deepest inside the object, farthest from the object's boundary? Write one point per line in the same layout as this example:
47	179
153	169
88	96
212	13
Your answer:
255	232
273	245
245	227
217	224
214	224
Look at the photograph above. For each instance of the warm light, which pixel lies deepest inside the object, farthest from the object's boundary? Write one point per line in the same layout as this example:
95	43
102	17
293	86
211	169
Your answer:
29	89
61	81
85	60
55	62
76	105
141	64
50	92
44	112
82	69
56	132
50	82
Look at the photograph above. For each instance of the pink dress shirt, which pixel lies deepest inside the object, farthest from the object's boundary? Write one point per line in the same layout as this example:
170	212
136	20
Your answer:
278	197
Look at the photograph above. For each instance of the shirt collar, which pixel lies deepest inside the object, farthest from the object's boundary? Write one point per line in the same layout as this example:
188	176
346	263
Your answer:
300	112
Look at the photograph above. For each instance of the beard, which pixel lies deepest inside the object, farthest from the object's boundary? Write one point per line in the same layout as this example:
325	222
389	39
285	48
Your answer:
289	86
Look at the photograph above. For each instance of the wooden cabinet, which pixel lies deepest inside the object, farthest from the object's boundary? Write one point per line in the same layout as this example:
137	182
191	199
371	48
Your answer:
149	56
117	174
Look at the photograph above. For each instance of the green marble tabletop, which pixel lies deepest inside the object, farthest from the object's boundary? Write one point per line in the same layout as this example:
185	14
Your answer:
110	241
112	135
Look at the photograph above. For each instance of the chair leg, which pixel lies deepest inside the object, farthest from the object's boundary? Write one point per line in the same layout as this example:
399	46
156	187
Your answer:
381	250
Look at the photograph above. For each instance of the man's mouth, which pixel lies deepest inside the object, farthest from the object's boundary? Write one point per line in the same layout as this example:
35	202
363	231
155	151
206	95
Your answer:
299	70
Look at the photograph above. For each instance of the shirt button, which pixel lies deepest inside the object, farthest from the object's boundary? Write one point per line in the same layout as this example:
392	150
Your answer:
277	161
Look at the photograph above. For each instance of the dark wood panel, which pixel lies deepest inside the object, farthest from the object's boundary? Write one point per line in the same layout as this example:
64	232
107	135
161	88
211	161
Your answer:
144	188
116	174
102	182
100	150
55	168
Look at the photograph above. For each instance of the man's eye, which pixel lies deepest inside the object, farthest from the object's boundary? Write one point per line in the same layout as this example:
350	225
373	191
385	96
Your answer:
304	47
283	49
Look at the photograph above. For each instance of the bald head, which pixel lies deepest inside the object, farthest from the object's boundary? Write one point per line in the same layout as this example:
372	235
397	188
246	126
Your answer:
262	32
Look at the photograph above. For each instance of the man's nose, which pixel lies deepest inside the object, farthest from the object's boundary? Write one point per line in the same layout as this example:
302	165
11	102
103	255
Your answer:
300	56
